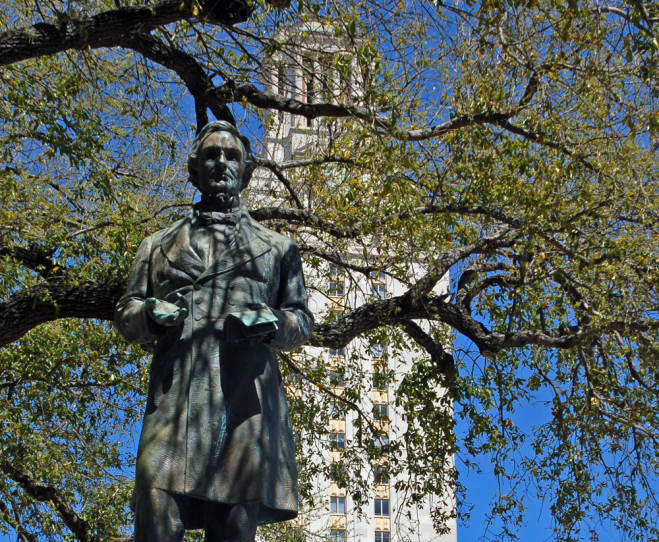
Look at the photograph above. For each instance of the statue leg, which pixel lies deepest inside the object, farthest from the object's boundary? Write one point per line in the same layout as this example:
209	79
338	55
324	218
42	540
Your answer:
231	522
157	517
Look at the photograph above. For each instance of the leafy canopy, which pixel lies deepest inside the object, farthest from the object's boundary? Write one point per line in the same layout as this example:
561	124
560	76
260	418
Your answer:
512	145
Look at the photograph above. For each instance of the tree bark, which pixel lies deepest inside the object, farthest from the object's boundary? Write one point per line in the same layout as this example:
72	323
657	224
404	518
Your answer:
107	29
53	300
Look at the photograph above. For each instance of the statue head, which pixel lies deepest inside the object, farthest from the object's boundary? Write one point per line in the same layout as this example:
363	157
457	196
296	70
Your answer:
220	160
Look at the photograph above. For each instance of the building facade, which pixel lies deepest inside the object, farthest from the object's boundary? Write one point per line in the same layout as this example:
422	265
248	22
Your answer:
316	73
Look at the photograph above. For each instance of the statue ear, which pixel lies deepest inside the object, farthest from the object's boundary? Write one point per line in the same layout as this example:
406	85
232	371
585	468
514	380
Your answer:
192	172
247	175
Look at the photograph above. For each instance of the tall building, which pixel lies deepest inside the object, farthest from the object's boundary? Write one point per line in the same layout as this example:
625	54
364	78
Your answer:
310	74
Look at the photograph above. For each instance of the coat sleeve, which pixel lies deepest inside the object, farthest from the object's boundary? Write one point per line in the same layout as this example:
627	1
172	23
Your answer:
130	316
295	320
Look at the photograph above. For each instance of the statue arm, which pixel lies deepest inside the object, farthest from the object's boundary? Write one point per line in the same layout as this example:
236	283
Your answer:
131	313
294	319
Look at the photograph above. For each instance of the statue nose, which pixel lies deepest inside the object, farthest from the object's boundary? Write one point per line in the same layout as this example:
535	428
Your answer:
221	162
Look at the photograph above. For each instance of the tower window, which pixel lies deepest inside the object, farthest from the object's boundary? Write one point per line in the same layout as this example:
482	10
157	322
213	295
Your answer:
378	351
381	475
380	411
337	410
380	381
336	379
338	352
337	505
379	290
381	507
338	441
336	283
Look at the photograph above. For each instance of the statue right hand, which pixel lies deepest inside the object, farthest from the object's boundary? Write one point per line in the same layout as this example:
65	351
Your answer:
165	313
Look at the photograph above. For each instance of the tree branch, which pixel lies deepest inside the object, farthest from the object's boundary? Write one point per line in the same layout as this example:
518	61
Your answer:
307	218
442	359
268	100
541	138
354	406
187	68
107	29
41	493
53	300
300	216
32	258
22	534
274	167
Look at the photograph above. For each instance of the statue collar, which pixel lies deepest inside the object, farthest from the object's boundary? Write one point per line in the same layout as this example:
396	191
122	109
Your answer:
218	209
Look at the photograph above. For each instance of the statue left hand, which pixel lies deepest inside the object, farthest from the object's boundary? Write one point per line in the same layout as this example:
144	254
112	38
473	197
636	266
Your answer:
165	313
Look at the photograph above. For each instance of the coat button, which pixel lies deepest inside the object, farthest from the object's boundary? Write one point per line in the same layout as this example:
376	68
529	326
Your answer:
197	286
197	301
197	317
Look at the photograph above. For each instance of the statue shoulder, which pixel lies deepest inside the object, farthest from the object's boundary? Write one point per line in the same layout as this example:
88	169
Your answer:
273	238
169	231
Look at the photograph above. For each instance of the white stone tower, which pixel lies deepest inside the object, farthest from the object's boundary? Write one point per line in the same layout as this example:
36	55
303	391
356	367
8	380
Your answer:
309	73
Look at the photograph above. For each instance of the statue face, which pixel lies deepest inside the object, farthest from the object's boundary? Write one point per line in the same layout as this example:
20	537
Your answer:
220	164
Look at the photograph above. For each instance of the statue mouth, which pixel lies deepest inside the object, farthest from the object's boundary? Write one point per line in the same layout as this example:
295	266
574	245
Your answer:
223	184
224	178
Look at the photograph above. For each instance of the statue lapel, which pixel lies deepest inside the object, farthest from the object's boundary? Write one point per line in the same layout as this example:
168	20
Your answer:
176	248
247	245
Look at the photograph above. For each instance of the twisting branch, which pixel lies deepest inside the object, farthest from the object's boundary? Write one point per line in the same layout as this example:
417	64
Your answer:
307	218
541	138
305	162
55	299
42	493
338	260
300	216
440	358
109	28
272	166
268	100
354	406
187	68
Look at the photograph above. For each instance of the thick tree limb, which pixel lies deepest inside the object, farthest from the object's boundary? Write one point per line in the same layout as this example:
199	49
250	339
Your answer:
107	29
440	357
73	521
32	258
268	100
567	337
26	310
307	218
303	217
187	68
55	299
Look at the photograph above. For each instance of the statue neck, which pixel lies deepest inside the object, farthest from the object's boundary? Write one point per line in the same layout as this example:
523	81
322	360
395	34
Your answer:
219	203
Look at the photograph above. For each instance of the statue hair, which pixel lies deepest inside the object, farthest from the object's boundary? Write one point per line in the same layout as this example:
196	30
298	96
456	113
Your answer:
220	126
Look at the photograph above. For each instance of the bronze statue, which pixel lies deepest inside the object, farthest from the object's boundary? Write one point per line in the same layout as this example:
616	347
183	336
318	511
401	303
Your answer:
219	294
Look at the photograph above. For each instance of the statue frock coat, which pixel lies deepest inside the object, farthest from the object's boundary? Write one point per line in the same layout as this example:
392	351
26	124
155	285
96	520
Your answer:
216	425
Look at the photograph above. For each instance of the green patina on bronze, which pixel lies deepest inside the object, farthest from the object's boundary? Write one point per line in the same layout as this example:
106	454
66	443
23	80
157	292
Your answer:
219	294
